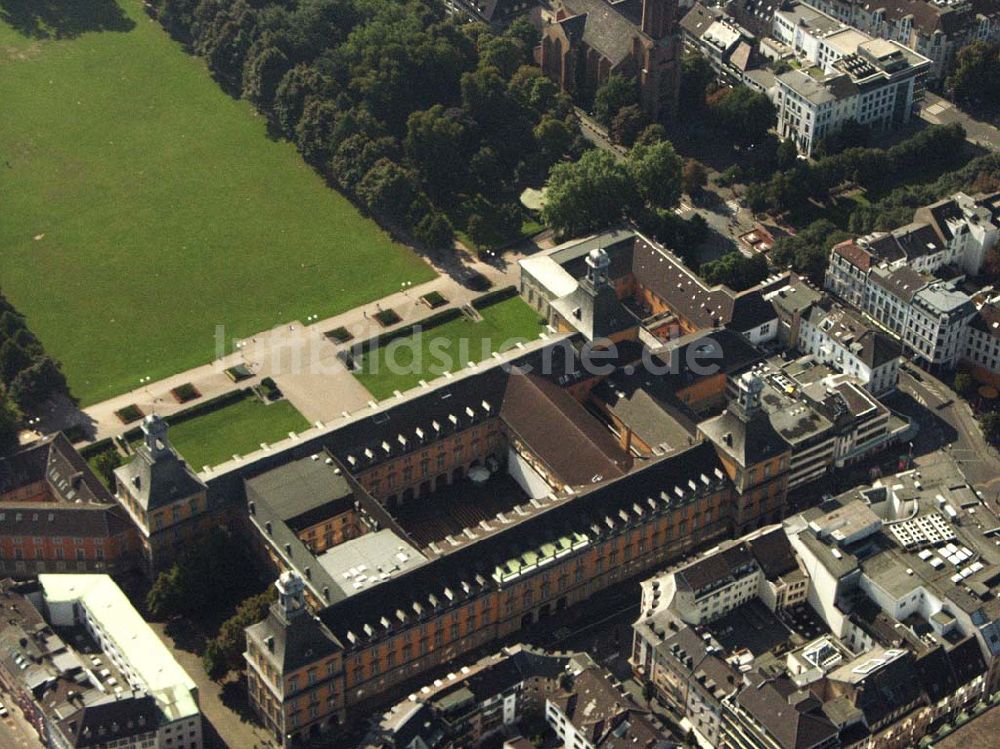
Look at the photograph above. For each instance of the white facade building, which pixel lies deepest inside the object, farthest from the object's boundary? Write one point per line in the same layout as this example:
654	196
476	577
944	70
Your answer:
842	339
99	605
850	77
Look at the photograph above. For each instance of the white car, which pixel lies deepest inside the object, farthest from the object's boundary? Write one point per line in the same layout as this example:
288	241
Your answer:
3	711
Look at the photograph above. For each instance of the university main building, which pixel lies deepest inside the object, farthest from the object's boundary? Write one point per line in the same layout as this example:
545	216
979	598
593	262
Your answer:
444	520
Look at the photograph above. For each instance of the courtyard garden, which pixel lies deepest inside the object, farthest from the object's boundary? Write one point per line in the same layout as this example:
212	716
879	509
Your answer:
213	437
143	209
428	352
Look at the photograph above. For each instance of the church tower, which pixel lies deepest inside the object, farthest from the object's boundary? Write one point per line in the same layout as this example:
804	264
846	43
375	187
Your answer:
658	17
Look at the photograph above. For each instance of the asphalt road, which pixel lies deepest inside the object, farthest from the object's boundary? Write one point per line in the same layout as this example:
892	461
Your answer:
947	423
938	111
15	731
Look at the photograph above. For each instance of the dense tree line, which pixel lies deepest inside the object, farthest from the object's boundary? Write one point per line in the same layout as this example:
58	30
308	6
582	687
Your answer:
934	148
207	578
402	107
224	652
808	251
975	78
600	190
735	270
981	174
28	376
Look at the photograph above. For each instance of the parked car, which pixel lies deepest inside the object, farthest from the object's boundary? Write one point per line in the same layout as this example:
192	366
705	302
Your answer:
3	711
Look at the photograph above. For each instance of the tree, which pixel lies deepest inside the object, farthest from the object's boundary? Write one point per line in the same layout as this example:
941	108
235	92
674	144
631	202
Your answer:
554	138
389	189
314	131
976	75
656	170
504	53
745	115
627	125
297	86
616	93
13	361
9	427
587	195
356	155
263	70
206	578
964	384
224	652
37	384
652	134
433	145
435	232
990	424
809	250
735	270
696	75
105	464
695	177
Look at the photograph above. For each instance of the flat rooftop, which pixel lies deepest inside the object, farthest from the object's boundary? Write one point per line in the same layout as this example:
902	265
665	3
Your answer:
302	491
369	560
169	684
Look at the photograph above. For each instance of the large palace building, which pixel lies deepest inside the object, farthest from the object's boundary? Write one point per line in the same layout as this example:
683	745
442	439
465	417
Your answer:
436	523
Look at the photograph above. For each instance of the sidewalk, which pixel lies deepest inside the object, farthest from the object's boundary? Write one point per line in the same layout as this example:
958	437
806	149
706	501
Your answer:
300	359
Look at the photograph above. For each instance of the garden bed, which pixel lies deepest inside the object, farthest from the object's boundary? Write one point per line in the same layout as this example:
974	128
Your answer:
239	373
387	317
184	393
434	299
129	414
339	335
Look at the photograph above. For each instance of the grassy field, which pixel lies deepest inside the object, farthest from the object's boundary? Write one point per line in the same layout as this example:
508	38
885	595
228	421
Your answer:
239	428
142	207
401	364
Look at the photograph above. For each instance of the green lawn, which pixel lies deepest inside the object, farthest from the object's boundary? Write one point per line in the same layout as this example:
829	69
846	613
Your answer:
140	207
403	362
239	428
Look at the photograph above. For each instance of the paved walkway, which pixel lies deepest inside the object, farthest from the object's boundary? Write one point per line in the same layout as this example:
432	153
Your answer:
300	359
938	111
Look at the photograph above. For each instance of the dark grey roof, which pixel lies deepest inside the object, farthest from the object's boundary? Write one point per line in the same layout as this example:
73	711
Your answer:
115	720
297	641
586	513
158	481
903	282
697	20
721	566
56	462
773	553
574	445
750	311
304	491
793	720
606	30
747	443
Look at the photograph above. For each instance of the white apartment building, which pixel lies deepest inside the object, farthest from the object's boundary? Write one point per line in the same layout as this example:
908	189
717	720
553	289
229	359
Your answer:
982	343
99	605
935	29
849	76
842	339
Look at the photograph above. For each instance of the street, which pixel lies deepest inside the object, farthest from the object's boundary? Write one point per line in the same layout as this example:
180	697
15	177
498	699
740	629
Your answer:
938	111
947	422
15	731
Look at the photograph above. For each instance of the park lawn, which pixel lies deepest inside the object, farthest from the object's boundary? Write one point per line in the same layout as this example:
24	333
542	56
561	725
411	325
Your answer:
142	207
214	437
455	344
